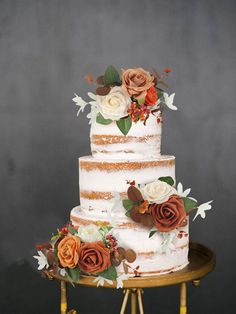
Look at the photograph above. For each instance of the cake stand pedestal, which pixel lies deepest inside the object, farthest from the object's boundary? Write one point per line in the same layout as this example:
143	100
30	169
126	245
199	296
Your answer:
201	262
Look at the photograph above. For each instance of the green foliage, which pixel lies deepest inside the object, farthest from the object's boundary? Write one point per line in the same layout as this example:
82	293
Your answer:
73	274
152	233
100	119
189	204
124	125
169	180
72	230
109	273
111	76
128	204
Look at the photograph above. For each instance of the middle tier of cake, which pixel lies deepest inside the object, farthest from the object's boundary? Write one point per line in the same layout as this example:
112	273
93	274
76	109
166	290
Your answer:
103	182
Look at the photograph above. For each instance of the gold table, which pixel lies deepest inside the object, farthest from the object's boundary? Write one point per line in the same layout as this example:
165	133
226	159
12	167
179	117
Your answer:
201	261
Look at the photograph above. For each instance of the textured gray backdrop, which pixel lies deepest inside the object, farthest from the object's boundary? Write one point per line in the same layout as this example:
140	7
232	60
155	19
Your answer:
46	48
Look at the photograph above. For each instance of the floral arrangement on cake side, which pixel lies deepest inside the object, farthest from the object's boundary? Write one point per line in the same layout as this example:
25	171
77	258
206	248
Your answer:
88	250
160	206
127	97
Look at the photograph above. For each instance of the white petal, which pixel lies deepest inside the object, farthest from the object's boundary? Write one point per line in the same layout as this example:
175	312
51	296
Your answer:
169	101
202	208
186	192
92	96
180	188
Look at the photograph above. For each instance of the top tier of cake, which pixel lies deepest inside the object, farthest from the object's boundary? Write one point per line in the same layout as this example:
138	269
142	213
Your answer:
142	141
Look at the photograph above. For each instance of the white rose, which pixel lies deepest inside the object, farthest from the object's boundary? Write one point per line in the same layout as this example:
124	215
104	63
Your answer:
157	192
89	233
115	104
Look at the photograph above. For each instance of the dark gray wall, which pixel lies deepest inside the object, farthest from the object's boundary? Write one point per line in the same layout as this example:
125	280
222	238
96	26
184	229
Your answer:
46	48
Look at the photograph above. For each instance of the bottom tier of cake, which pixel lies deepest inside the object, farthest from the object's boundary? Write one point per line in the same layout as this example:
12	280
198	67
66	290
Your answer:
160	254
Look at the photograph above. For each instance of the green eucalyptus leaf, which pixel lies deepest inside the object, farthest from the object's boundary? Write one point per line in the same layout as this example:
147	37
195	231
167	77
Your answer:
189	204
111	76
72	230
152	233
169	180
101	120
124	125
128	204
109	273
73	274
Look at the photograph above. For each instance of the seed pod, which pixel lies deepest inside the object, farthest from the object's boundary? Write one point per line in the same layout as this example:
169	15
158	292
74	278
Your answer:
130	256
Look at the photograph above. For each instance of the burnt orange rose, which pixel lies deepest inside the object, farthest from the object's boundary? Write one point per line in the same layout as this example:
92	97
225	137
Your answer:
94	257
169	215
151	97
137	81
68	251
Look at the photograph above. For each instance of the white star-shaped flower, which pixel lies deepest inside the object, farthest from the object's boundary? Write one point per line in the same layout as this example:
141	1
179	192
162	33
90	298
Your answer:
101	280
181	191
42	260
202	209
79	102
120	280
169	101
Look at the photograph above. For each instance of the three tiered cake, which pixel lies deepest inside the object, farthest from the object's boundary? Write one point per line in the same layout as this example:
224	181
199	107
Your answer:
133	217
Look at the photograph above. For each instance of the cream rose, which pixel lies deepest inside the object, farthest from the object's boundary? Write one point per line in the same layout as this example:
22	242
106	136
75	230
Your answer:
89	233
158	192
115	104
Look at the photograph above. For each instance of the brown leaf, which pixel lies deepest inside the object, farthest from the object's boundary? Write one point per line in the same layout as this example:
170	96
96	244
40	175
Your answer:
147	220
100	80
46	246
134	194
163	83
130	256
135	214
156	73
50	257
103	91
126	268
115	261
121	252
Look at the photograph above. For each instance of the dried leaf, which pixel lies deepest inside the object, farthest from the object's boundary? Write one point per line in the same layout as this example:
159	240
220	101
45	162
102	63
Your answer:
121	253
130	256
46	246
115	261
163	83
50	257
156	73
147	220
103	91
100	80
135	215
126	268
134	194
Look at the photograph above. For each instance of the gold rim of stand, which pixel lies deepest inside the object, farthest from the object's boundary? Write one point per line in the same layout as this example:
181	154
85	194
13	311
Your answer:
201	262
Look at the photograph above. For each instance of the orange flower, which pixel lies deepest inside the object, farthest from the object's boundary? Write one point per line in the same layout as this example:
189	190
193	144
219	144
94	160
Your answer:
137	81
68	251
169	215
143	208
151	97
94	257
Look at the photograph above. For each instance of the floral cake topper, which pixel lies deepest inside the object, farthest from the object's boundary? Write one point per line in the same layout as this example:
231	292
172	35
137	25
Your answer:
127	97
161	207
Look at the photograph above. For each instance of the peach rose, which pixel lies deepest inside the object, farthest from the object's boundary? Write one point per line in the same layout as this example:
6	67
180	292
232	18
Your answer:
94	257
137	81
169	215
68	251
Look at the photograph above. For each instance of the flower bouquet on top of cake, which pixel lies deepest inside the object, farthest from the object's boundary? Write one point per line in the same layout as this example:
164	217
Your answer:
133	218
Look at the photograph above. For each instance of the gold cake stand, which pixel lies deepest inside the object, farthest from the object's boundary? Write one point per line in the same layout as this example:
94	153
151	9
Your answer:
201	262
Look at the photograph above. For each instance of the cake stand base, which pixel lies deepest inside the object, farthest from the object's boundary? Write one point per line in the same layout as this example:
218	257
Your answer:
201	262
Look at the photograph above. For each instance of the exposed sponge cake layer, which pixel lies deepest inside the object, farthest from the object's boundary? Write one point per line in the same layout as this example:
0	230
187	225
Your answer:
103	181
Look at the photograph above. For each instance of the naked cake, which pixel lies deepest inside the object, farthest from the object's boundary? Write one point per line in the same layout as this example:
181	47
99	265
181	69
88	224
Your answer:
133	217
